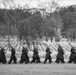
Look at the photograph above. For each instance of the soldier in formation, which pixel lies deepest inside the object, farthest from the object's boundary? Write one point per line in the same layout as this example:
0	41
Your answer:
24	56
35	58
60	56
48	56
13	57
2	56
72	57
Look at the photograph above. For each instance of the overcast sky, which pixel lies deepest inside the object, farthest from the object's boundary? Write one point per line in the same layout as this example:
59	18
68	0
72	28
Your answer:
35	3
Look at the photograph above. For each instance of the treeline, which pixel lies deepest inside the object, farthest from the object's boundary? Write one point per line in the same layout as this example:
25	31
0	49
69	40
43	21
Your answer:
30	26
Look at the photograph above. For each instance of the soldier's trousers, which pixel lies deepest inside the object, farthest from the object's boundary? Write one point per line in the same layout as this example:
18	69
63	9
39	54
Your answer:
48	57
24	60
15	61
3	61
72	58
36	59
13	58
60	60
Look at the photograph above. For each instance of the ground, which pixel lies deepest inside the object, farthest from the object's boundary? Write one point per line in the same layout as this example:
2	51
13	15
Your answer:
38	69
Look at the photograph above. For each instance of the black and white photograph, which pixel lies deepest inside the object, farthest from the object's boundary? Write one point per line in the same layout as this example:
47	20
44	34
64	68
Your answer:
37	37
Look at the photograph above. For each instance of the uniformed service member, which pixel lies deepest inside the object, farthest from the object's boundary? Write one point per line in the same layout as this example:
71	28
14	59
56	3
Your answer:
24	56
60	55
72	57
35	58
48	56
13	57
2	56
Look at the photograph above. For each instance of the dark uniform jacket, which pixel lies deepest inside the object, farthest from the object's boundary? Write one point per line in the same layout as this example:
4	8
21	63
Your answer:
13	57
48	53
73	54
35	55
60	53
2	55
24	53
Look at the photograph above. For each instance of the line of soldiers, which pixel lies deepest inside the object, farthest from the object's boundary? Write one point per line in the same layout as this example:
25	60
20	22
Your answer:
36	58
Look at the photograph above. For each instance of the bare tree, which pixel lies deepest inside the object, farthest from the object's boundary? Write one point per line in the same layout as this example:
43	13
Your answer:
8	4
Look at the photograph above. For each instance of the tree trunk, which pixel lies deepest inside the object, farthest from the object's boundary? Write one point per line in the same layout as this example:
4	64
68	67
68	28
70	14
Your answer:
46	38
51	38
9	42
27	40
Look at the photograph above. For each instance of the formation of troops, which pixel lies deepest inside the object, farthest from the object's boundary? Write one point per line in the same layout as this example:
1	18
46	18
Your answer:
36	59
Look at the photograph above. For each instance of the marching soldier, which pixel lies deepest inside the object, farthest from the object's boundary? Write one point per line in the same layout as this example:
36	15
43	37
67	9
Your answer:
60	56
13	57
48	56
72	57
36	57
24	56
2	56
75	58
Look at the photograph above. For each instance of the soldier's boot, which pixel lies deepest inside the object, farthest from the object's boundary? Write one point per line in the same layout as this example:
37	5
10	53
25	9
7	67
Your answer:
45	61
38	60
26	61
4	61
74	61
62	61
0	61
21	61
10	61
33	61
15	61
70	61
50	61
57	61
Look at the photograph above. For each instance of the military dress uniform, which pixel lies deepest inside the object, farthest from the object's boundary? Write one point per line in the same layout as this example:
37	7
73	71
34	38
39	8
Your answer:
48	56
36	58
24	56
60	56
13	57
2	56
72	57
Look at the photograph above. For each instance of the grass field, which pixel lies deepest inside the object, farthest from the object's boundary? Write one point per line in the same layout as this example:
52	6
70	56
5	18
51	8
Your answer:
38	69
